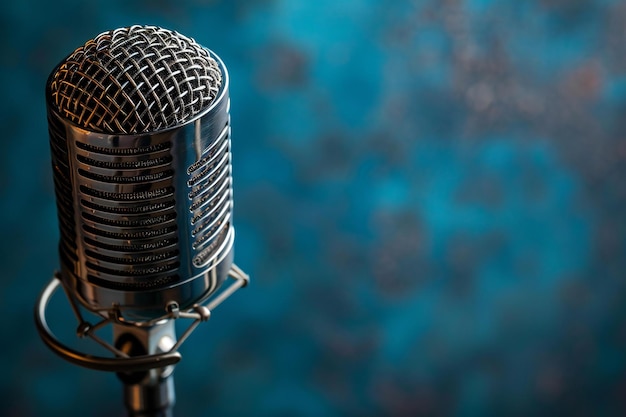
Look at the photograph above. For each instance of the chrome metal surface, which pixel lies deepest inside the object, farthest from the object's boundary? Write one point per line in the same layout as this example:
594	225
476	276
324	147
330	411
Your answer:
137	79
147	393
140	139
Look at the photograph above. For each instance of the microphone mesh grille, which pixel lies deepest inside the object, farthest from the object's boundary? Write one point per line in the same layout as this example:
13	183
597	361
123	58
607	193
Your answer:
135	80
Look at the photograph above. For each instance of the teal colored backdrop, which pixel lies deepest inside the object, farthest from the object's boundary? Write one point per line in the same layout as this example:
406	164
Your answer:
430	197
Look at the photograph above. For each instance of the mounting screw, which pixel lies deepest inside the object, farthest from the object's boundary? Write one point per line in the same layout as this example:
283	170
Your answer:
173	309
83	329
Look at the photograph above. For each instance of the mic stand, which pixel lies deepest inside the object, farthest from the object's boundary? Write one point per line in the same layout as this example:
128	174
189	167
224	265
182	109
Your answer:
145	352
147	393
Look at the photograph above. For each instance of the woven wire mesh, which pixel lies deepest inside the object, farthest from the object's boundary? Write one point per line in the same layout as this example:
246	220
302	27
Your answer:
133	80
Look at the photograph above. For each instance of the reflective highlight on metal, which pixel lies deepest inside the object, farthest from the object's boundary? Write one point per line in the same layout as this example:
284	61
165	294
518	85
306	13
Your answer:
136	79
140	141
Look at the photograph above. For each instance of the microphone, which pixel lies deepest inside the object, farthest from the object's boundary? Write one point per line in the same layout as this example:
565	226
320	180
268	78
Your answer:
139	130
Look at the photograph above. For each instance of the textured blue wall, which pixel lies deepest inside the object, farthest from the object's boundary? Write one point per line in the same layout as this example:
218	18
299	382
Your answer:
430	198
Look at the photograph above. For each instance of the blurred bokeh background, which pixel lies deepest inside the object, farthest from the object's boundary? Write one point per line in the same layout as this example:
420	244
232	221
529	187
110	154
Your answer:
430	199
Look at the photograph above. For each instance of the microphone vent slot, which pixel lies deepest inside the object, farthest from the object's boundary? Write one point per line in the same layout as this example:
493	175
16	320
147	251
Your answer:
124	223
130	235
210	195
147	272
139	150
62	188
126	180
128	212
120	165
136	247
136	196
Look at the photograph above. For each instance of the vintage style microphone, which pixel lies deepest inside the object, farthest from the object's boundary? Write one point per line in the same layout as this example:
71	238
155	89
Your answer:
139	130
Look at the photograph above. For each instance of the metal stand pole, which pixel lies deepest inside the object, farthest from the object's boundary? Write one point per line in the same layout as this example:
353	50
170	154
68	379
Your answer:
147	393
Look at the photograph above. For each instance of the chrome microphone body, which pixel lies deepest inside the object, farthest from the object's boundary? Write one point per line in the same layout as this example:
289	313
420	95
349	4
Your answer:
144	201
139	130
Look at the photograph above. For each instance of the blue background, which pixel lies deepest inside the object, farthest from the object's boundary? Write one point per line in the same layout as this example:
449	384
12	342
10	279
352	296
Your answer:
430	199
